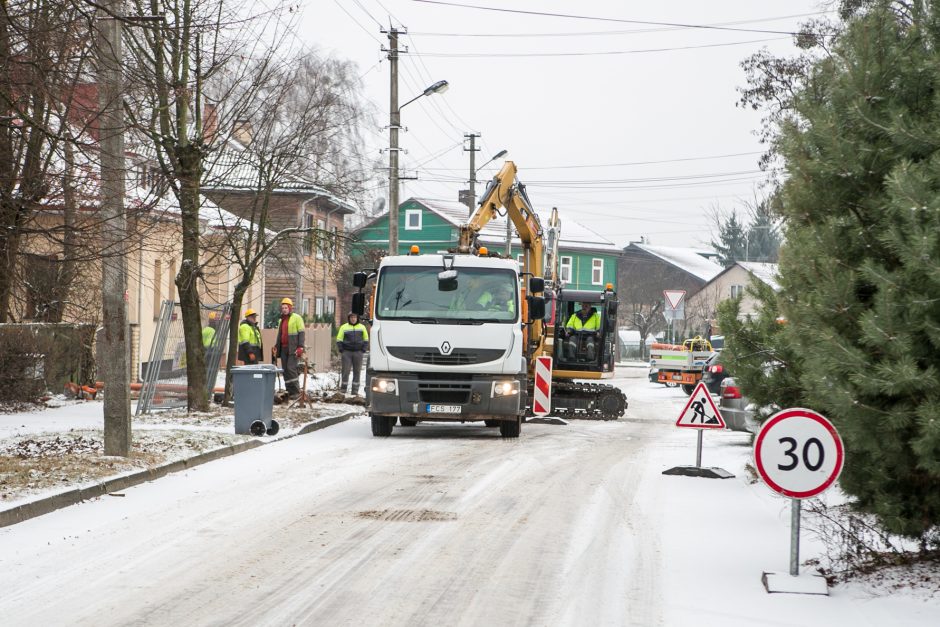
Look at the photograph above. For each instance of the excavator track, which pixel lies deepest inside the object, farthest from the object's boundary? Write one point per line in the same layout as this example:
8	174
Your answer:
587	401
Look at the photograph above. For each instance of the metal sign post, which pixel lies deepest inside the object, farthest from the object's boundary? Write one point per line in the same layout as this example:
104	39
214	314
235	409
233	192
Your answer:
799	454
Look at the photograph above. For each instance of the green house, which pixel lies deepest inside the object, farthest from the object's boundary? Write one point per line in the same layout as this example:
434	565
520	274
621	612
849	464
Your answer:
588	261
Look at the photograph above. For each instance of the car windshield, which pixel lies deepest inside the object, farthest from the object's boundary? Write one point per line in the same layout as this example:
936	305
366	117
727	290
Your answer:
476	295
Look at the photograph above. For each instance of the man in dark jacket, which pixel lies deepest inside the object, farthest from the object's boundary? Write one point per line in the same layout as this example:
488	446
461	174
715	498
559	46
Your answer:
249	338
352	340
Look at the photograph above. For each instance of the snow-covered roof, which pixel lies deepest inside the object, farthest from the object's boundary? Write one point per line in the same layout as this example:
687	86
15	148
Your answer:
766	272
232	168
691	260
213	216
574	236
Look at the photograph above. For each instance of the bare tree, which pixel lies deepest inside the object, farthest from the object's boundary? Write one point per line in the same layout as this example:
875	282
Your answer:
204	49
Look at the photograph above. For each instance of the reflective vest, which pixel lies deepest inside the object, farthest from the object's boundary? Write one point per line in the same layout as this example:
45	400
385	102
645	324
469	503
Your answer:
593	323
295	332
249	341
208	336
486	301
352	337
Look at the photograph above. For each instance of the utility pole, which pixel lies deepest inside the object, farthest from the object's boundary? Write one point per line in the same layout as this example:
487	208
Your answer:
393	127
473	170
116	337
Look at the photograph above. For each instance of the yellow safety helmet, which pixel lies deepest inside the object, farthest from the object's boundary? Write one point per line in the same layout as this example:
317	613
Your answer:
250	312
213	315
287	301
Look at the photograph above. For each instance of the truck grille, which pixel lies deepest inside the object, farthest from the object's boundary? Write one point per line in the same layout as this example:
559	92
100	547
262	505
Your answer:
457	357
444	392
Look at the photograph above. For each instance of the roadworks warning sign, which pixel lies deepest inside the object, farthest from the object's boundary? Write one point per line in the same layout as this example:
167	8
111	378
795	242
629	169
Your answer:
701	412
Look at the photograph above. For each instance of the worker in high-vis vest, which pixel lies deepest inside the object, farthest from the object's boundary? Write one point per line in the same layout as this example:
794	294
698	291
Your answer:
352	339
208	331
289	346
249	338
583	325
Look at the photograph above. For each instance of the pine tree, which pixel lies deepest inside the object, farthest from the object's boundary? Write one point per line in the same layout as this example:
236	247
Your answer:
860	270
731	240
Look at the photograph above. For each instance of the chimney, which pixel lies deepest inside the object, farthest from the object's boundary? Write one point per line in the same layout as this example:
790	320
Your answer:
242	132
210	122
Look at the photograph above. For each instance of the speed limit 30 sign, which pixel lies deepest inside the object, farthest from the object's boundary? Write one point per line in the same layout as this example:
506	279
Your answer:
798	453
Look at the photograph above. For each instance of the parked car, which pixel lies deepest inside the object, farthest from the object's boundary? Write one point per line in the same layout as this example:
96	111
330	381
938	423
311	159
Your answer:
715	372
654	378
734	408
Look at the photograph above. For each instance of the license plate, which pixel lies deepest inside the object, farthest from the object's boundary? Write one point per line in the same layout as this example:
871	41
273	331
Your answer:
443	409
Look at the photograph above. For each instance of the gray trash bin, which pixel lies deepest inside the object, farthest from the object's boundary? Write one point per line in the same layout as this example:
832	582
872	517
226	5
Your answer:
254	398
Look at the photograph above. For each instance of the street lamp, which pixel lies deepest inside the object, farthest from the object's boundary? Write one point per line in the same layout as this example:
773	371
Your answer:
473	175
395	123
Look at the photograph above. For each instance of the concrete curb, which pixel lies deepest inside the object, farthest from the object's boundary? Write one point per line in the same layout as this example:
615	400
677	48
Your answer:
77	495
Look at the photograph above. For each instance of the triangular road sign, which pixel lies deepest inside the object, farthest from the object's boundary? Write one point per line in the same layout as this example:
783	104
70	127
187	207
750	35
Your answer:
701	412
673	298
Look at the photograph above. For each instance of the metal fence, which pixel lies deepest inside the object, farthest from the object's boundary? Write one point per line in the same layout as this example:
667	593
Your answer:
164	383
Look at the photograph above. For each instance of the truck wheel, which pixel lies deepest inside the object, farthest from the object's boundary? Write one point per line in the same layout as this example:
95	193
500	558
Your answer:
492	423
510	429
688	388
382	426
407	422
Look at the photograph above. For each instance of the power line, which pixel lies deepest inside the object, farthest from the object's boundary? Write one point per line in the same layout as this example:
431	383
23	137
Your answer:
475	55
358	23
608	19
612	32
633	163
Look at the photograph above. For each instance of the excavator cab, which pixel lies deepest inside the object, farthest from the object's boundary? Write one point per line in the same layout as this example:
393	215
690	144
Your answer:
585	332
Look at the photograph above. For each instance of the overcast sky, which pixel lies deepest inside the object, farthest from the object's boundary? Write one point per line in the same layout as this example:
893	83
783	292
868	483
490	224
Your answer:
629	128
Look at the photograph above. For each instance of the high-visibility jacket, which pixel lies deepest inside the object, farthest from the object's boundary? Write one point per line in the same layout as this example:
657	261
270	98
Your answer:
593	322
352	337
249	342
486	300
208	336
295	332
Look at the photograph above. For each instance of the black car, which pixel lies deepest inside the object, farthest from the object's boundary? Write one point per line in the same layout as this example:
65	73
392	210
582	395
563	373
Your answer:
715	372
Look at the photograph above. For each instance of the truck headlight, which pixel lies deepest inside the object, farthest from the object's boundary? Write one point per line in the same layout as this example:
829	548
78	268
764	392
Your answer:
385	386
505	388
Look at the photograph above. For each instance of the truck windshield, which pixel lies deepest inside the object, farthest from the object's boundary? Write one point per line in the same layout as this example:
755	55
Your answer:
482	295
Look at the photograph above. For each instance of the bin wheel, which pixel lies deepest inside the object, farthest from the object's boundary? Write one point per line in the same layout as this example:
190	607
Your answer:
274	428
257	428
407	422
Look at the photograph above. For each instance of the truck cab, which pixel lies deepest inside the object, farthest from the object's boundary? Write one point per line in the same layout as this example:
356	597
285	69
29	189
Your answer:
447	342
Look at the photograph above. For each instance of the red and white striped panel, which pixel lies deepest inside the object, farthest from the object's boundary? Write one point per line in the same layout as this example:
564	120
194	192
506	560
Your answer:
542	396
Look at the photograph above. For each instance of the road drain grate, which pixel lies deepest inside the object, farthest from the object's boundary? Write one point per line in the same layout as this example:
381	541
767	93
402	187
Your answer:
407	515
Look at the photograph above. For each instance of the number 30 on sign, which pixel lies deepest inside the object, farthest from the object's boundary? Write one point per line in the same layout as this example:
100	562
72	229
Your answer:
798	453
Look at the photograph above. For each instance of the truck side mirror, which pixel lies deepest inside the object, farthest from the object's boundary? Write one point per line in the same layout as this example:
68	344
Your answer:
612	308
536	285
360	279
359	302
536	307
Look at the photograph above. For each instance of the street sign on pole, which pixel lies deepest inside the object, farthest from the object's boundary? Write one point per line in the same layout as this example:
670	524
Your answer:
673	298
799	454
701	412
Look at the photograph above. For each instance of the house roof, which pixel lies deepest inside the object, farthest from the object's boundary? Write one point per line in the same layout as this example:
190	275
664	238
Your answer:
213	216
233	168
766	272
574	236
692	260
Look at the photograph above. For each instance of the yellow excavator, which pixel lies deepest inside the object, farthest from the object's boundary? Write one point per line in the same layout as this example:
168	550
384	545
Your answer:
581	357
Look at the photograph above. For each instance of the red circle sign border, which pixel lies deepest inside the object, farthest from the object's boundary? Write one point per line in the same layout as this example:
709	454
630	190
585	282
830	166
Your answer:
803	413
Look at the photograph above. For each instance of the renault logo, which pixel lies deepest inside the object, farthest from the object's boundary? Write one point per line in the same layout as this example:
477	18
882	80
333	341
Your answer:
445	348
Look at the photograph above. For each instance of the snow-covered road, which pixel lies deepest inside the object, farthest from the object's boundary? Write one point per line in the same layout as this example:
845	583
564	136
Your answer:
437	525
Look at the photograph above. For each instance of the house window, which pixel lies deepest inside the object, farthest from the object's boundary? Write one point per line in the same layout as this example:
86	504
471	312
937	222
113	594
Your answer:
330	305
334	243
412	219
308	235
319	306
520	258
305	307
565	270
597	271
321	241
737	291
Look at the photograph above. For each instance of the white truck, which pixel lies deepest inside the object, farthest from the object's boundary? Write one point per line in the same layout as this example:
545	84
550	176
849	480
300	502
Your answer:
447	341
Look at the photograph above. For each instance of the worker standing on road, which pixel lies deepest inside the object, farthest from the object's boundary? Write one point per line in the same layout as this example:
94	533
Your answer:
352	340
587	319
289	346
208	331
249	338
